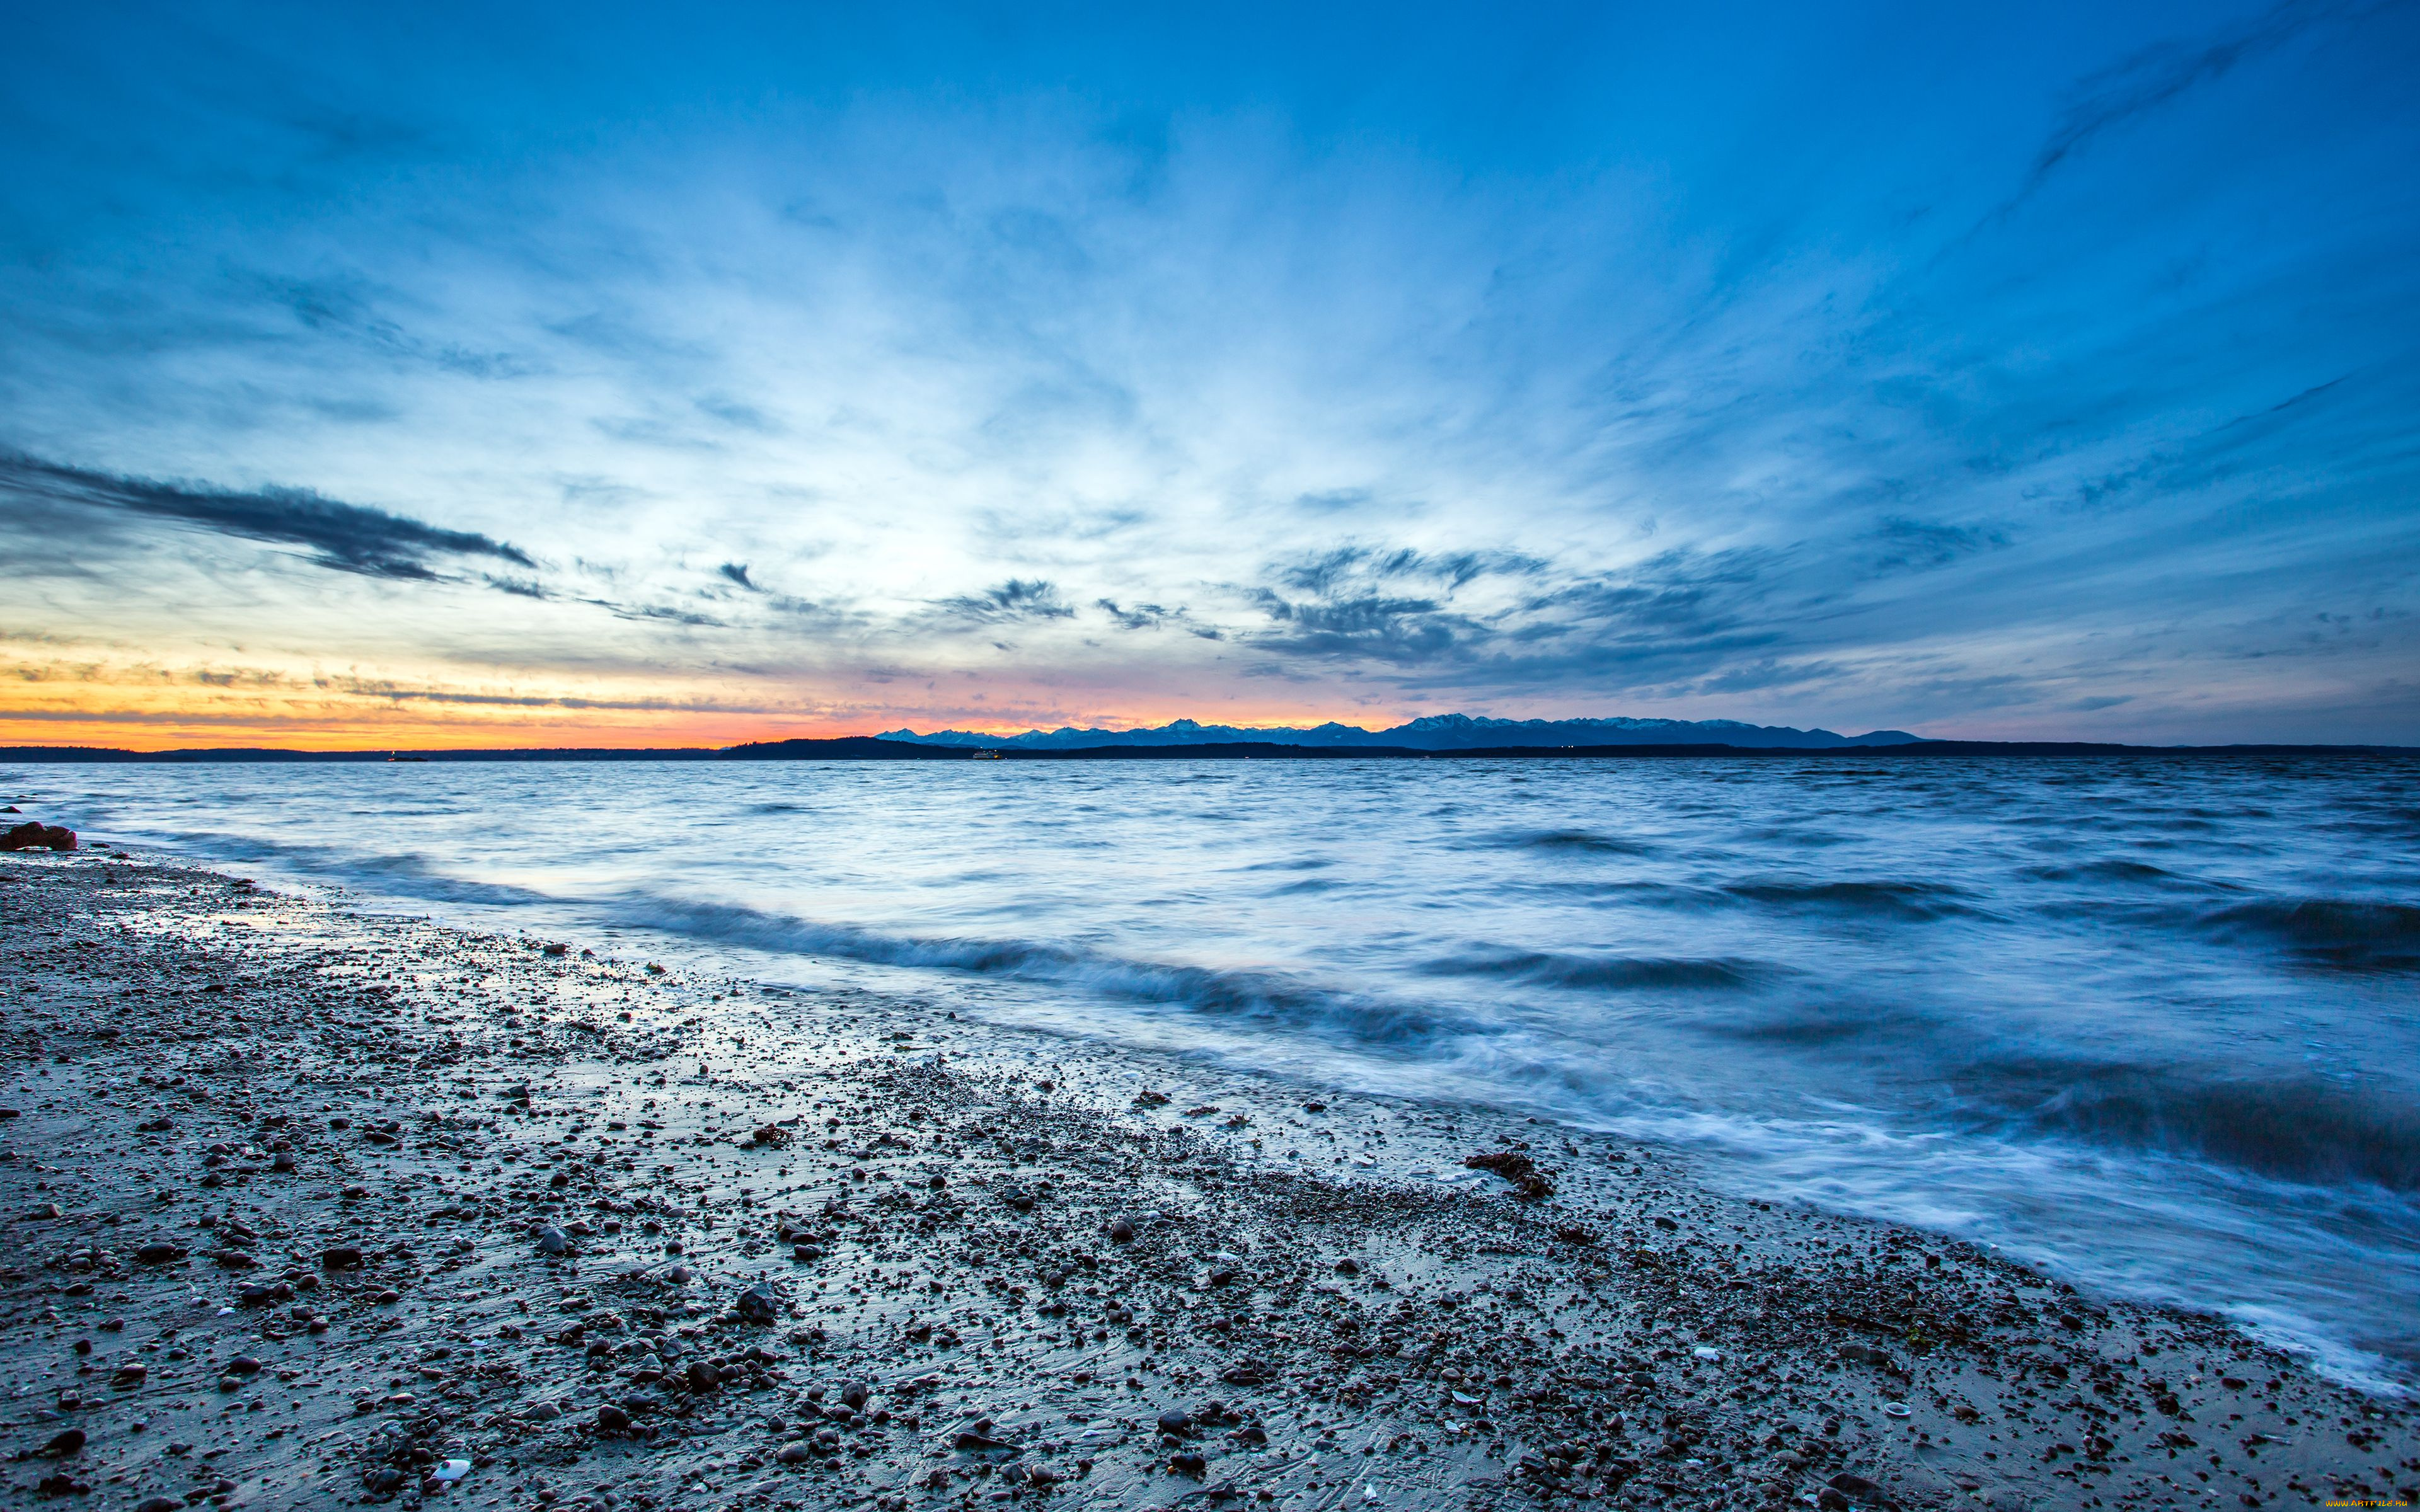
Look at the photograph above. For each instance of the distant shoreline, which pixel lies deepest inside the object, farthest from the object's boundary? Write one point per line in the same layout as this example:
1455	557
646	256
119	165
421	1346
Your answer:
868	747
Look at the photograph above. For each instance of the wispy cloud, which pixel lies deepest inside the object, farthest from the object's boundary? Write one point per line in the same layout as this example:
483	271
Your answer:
345	537
2056	378
1019	598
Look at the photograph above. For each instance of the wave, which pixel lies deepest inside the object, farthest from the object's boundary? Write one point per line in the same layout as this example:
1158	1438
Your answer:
1878	900
1571	841
2300	1129
2140	873
1252	994
404	876
2344	934
1619	972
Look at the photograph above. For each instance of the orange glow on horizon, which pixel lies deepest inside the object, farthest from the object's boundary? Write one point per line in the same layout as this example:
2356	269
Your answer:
370	725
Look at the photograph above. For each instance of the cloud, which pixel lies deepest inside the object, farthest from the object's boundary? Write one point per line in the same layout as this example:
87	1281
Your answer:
346	537
1142	616
1919	546
737	572
1015	600
2158	76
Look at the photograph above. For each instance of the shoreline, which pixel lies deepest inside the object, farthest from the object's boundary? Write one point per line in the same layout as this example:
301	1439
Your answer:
566	1222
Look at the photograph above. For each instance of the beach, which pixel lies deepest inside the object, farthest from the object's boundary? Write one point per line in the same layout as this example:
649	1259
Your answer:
312	1204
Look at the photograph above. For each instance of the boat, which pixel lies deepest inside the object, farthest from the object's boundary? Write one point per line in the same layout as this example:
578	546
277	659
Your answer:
987	756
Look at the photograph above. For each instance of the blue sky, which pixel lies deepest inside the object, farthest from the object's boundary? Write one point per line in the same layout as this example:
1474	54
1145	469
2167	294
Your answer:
583	373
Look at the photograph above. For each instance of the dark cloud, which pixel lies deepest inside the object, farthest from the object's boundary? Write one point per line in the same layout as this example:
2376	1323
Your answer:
347	537
655	613
347	308
1016	599
1919	546
1351	603
2157	76
1139	617
737	572
1322	573
1683	619
1365	626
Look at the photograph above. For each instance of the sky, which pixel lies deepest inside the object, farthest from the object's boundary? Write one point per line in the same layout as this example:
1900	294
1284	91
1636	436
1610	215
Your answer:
601	376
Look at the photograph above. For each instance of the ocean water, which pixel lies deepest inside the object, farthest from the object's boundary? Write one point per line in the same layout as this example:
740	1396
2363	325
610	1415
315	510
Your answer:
2152	1024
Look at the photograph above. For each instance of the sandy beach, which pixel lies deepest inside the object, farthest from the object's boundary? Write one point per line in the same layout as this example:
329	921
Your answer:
309	1206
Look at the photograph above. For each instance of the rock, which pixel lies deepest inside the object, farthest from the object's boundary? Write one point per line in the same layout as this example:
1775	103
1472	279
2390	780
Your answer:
1176	1421
1348	1266
759	1304
1857	1488
552	1241
1865	1354
160	1251
1189	1463
341	1257
158	1503
703	1376
806	1252
1121	1232
975	1441
69	1442
1529	1182
611	1419
854	1394
793	1452
243	1364
32	836
543	1412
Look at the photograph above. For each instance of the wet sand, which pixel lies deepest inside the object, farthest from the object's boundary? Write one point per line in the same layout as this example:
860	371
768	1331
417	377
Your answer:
307	1205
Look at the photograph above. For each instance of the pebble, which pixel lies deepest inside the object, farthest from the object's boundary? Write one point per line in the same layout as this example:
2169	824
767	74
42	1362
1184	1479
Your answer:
700	1387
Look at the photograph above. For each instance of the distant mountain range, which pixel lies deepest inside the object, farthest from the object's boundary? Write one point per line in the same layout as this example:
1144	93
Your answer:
1435	732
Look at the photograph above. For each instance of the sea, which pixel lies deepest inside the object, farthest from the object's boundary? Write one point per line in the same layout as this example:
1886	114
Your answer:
2149	1023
